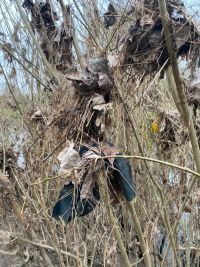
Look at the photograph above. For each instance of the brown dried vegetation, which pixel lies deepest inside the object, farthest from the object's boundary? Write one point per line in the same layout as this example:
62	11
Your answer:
109	90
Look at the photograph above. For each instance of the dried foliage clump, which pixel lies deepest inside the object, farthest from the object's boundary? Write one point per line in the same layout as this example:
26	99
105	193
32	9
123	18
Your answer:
56	43
143	47
82	169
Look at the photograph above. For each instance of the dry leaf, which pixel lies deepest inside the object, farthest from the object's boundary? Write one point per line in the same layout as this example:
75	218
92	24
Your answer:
100	122
89	181
88	82
146	20
69	159
90	154
87	185
5	183
113	60
105	84
98	65
90	165
37	115
5	236
103	107
74	76
109	150
98	100
109	18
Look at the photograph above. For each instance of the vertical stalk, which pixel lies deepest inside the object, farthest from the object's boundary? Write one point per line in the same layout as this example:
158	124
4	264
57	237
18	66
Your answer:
106	201
144	246
182	103
179	96
165	213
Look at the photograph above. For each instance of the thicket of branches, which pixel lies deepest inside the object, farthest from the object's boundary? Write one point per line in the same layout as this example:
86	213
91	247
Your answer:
120	72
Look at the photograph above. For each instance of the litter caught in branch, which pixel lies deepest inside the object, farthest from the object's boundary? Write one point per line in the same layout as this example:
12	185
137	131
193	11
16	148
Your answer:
143	46
80	196
94	79
69	159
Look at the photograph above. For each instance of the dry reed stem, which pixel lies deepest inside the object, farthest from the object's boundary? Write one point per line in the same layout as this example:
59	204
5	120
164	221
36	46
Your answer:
186	114
106	201
143	244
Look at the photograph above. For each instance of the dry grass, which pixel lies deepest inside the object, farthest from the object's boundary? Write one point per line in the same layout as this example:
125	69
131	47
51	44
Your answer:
28	233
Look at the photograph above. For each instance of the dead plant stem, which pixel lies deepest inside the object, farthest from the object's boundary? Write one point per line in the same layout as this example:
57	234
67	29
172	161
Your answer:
112	218
184	108
143	244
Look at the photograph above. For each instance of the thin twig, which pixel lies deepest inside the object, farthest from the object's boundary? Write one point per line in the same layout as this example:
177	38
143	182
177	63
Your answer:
156	161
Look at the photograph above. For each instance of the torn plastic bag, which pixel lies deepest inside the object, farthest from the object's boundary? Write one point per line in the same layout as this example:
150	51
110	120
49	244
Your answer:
64	205
121	171
70	204
85	206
